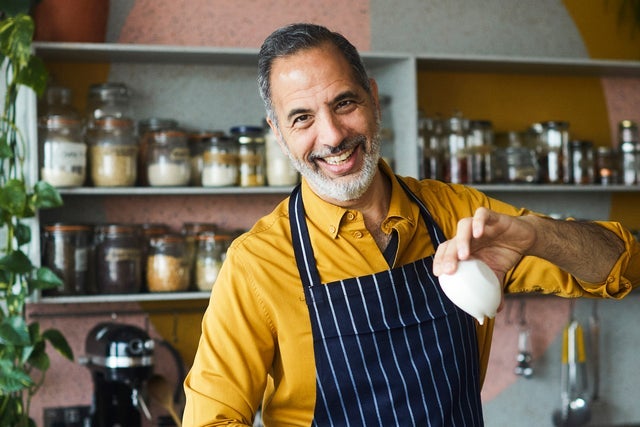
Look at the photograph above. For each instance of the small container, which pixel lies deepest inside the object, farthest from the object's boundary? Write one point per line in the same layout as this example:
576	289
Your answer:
629	149
582	165
118	258
113	152
456	168
67	252
480	147
430	135
148	231
220	162
210	254
280	170
57	102
190	231
520	165
197	142
145	128
111	99
167	264
251	155
553	152
606	166
63	151
168	159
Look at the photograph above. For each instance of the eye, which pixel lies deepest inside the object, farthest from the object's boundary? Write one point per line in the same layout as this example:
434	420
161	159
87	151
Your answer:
345	106
301	120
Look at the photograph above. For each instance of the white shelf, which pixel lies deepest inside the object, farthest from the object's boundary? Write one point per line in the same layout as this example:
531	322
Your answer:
109	298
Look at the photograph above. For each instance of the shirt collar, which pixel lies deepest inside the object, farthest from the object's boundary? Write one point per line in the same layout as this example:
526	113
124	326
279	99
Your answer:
328	217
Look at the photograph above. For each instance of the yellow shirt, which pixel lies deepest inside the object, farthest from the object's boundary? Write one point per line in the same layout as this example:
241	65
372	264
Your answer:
256	345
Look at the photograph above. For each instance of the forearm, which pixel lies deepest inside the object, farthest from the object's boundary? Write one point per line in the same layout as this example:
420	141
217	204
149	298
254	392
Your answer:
585	250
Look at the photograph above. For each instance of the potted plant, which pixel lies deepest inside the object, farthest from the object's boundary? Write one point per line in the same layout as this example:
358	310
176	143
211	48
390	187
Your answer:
23	346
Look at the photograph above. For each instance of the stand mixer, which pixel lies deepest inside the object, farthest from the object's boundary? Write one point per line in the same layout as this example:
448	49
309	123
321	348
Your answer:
120	358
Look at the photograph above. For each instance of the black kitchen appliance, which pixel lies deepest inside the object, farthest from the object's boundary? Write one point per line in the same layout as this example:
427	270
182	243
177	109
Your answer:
120	358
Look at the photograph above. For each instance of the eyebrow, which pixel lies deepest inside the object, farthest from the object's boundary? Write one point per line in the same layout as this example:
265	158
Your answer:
342	96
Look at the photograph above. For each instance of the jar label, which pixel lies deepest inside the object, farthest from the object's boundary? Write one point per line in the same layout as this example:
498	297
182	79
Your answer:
180	155
225	158
69	156
122	254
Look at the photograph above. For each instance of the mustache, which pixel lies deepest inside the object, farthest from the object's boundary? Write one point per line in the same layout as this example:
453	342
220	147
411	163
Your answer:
346	144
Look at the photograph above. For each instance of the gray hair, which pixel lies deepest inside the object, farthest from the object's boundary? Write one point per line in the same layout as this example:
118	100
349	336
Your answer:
293	38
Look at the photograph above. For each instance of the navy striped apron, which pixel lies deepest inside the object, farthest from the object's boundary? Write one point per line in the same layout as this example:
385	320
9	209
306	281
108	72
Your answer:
390	348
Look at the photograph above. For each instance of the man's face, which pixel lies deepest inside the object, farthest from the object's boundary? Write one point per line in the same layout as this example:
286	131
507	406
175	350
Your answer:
327	123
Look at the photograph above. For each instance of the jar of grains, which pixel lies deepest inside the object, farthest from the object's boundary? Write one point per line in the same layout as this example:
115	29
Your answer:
113	152
148	231
145	128
63	151
190	231
251	155
210	255
280	170
167	264
66	250
197	141
219	162
168	159
118	258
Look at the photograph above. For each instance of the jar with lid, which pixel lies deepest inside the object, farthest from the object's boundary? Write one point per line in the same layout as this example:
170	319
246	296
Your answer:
553	151
149	230
606	166
629	148
67	251
110	99
113	152
57	102
456	153
582	165
480	147
219	161
145	127
118	258
280	170
63	151
190	231
197	142
251	155
210	254
430	135
167	264
520	165
168	159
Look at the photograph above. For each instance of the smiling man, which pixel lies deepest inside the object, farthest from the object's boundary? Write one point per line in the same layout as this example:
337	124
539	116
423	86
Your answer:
328	311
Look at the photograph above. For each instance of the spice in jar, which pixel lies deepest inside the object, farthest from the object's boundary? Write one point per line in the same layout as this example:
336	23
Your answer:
251	155
168	159
63	151
67	252
148	231
167	265
210	254
118	258
606	166
220	162
113	152
145	128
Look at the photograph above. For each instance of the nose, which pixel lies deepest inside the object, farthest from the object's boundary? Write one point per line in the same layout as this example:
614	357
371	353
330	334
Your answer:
331	131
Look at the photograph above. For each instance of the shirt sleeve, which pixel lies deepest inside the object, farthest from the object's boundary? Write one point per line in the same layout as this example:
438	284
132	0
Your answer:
226	382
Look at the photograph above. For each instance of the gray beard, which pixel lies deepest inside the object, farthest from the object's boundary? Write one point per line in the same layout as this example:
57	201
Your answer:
344	188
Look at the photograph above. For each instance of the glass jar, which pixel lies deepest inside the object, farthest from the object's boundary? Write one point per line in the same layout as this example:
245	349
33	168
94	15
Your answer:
219	161
63	151
520	165
197	142
118	258
629	148
148	231
113	152
480	146
606	166
210	254
190	231
111	99
582	166
280	170
167	264
251	155
66	250
145	128
456	153
430	137
553	152
168	160
57	102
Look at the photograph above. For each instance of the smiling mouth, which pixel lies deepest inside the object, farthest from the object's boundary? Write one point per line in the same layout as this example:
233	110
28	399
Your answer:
341	158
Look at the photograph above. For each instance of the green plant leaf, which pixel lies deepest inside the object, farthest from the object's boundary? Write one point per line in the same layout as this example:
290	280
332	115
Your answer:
12	378
46	196
13	198
14	331
38	357
5	149
44	278
16	262
22	233
34	75
59	342
16	34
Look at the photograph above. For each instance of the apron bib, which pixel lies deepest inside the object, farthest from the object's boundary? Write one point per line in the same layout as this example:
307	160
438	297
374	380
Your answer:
390	348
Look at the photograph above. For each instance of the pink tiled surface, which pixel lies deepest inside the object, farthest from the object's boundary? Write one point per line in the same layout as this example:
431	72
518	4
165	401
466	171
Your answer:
239	23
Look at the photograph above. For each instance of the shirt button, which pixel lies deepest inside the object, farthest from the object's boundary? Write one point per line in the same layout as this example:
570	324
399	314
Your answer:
610	280
351	216
357	234
332	229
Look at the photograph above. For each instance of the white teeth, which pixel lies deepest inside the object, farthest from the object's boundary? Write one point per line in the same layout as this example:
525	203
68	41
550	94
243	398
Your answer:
336	160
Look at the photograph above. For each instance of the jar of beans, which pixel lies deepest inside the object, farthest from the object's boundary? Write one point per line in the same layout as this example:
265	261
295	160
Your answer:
113	152
66	250
167	264
118	258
